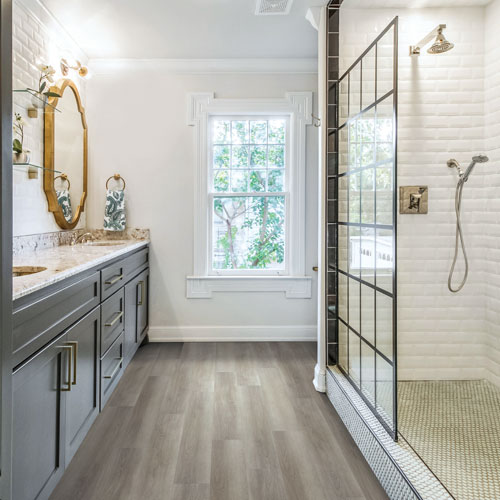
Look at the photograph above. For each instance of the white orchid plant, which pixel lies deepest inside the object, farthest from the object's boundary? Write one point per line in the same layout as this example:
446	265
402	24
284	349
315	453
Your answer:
47	73
18	129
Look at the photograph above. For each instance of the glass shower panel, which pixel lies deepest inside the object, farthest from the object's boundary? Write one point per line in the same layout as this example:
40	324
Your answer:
366	226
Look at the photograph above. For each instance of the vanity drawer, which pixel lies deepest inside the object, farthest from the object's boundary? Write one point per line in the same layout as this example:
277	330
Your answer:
37	323
111	369
112	319
112	278
136	263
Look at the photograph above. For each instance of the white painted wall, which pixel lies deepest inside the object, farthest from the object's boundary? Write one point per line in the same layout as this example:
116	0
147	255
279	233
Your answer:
138	127
441	116
36	39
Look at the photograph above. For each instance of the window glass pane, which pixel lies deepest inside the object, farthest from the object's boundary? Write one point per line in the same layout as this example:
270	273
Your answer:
221	156
276	157
368	314
384	258
258	180
385	389
239	181
240	132
354	358
342	294
368	95
384	194
367	259
368	372
385	63
248	233
239	157
384	324
354	305
368	196
222	132
258	156
258	132
276	131
276	180
342	248
343	346
221	180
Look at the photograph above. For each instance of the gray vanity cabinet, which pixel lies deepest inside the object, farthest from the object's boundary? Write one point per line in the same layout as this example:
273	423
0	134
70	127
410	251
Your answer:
136	312
40	386
82	402
70	350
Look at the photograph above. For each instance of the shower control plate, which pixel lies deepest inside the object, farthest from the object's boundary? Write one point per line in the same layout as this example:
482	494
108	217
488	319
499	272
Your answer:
413	199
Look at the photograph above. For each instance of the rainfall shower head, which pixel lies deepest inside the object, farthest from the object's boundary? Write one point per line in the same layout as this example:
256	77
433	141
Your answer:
440	45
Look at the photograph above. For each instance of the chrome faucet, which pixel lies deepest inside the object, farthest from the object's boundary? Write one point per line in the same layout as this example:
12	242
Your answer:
83	238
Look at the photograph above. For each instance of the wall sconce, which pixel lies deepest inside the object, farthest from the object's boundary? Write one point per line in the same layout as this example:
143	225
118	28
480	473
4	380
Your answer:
83	71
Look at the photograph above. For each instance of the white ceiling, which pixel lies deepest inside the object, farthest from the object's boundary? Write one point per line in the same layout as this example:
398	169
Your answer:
185	29
411	4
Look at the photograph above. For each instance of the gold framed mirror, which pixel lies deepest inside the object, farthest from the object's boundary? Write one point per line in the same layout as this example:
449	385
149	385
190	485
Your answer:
65	154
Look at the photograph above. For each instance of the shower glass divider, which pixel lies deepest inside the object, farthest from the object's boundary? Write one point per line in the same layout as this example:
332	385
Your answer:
361	299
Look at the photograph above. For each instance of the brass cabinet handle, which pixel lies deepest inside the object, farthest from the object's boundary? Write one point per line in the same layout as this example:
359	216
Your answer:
141	283
114	280
117	367
315	268
69	349
74	345
117	317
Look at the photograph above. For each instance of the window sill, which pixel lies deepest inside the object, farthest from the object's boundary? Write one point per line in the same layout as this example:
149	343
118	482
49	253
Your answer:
295	287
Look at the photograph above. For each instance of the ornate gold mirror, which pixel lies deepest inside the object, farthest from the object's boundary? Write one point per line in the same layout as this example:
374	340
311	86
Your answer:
65	154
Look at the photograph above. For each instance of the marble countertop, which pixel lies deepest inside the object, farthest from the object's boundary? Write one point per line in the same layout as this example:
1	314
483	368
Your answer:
64	261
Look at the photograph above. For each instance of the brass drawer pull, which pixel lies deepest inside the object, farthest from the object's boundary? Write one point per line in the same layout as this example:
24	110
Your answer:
74	345
139	302
69	349
117	367
114	280
117	317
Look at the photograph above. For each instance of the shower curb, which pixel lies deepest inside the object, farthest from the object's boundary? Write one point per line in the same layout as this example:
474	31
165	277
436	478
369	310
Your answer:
400	471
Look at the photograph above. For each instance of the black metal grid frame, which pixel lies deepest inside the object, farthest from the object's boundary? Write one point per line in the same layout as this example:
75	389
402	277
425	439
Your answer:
333	320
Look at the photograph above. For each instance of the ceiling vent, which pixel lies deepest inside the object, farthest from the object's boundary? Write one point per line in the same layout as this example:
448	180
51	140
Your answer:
273	7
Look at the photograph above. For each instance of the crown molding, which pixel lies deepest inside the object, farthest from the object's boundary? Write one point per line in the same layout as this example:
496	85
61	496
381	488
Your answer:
204	66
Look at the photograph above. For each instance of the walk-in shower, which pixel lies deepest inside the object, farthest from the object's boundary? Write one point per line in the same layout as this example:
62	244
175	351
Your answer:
463	177
414	370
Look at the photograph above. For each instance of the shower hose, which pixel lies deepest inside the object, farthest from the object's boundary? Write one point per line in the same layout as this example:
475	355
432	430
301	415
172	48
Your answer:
459	237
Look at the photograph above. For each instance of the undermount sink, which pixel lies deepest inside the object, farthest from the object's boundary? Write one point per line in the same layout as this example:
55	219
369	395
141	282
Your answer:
110	243
18	271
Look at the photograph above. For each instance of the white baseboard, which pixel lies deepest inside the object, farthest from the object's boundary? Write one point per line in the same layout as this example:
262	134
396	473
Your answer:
283	333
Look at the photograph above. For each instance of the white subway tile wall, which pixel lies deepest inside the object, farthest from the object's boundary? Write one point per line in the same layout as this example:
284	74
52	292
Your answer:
449	107
33	43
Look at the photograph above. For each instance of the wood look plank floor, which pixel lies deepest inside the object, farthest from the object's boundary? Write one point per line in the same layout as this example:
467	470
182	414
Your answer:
219	421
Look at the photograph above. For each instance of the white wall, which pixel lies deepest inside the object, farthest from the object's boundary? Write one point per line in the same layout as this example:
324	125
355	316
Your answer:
138	127
36	39
441	116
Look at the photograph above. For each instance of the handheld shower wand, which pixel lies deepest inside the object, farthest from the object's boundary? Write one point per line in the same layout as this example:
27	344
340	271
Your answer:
463	177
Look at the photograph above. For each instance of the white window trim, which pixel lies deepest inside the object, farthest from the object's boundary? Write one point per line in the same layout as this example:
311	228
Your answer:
298	107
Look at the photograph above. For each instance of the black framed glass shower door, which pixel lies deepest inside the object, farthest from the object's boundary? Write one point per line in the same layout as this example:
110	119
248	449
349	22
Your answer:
365	269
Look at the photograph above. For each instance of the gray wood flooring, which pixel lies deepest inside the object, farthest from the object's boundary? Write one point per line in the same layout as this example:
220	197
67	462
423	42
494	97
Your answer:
219	421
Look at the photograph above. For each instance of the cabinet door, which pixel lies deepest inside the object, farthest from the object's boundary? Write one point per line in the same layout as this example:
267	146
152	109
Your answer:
130	341
39	400
136	312
142	305
82	402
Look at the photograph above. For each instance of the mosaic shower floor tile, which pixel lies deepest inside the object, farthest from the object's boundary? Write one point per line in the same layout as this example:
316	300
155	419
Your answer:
454	426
